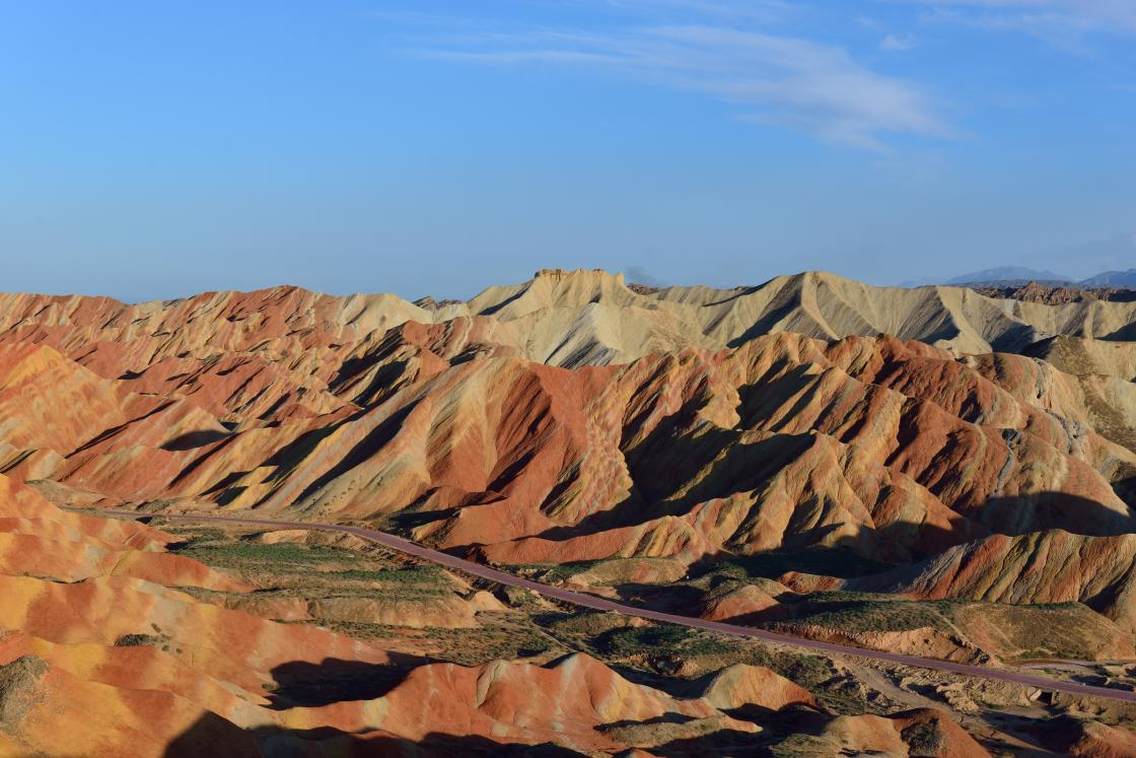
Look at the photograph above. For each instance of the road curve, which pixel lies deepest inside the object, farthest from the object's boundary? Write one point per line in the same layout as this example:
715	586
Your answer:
585	600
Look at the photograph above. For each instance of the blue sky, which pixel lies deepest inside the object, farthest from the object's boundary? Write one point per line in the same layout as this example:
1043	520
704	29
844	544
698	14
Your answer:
157	149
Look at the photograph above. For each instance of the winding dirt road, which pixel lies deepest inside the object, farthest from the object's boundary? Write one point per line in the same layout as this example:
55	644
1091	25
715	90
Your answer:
585	600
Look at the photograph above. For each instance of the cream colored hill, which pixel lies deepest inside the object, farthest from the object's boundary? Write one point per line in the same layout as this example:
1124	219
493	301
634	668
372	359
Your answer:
564	318
1081	356
813	303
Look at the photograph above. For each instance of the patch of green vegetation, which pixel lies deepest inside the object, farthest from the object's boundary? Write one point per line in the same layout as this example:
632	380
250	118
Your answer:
472	647
871	616
199	536
797	745
846	596
553	572
363	630
1041	632
246	552
316	588
288	570
924	738
138	640
809	671
1069	606
582	625
838	562
410	575
522	598
666	639
158	640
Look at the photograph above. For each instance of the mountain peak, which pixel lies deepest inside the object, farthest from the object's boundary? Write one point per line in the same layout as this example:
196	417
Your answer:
578	274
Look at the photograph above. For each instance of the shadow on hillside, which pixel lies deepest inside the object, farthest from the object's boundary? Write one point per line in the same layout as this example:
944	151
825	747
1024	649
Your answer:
213	735
1126	490
670	717
310	685
840	561
725	742
193	440
683	449
1039	511
766	323
374	441
383	380
667	459
775	725
874	551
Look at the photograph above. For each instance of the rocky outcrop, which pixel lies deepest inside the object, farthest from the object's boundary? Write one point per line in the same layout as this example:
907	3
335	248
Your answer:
924	732
741	685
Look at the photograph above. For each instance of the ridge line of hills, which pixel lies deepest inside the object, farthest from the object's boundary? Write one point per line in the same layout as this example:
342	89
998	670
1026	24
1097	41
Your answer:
574	317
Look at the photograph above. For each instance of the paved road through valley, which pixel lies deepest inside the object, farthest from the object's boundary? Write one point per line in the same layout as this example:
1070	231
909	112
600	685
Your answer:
585	600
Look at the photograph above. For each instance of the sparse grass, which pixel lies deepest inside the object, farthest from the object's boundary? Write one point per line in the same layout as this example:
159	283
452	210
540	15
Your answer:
839	562
666	639
158	639
316	572
798	745
362	630
924	739
553	572
871	616
581	626
200	536
472	647
246	552
1040	632
138	640
409	575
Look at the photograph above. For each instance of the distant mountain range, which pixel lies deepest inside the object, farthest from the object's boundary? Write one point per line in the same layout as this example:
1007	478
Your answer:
1126	279
1017	275
1009	274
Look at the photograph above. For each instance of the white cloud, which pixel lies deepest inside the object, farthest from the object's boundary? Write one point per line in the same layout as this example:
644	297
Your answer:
775	79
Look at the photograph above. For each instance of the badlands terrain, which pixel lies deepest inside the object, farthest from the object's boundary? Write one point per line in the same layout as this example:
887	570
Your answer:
935	472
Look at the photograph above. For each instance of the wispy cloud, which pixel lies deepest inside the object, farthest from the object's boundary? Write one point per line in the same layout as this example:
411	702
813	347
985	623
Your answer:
753	10
772	78
1066	23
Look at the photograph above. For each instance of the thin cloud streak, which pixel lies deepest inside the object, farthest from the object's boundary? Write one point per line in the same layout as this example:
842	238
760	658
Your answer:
1064	23
755	10
786	81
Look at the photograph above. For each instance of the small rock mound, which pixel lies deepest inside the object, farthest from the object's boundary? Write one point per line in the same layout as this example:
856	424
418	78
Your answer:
922	732
742	684
1092	739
